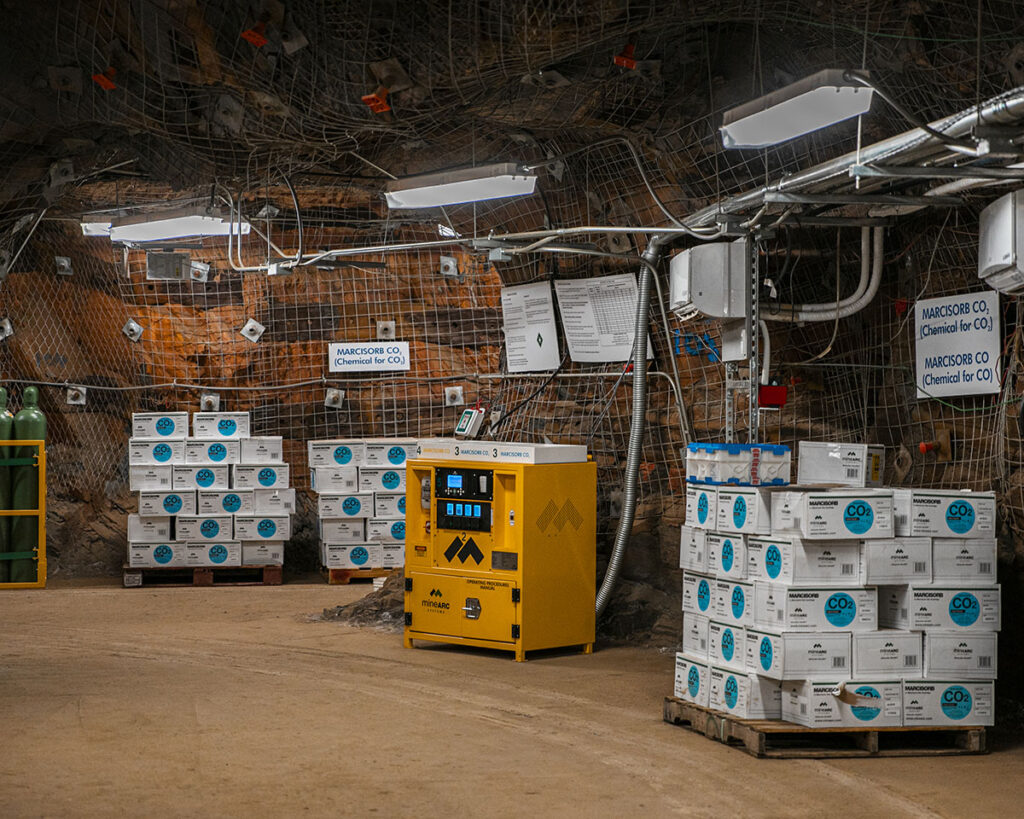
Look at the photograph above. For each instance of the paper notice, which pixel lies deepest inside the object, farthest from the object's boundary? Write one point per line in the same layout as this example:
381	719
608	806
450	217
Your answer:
531	338
598	316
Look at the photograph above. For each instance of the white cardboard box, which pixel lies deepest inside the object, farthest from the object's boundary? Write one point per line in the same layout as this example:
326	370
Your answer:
948	655
951	608
214	553
698	593
727	555
155	453
334	479
336	453
389	452
263	527
744	510
790	608
701	506
727	646
166	425
461	449
230	502
815	704
822	463
957	561
143	555
383	530
351	555
255	476
887	654
392	555
746	696
692	680
266	449
196	528
794	655
342	530
961	702
167	503
156	529
389	505
220	425
695	634
795	562
150	478
944	513
381	479
263	553
212	452
273	501
351	505
200	477
734	602
833	514
897	560
693	549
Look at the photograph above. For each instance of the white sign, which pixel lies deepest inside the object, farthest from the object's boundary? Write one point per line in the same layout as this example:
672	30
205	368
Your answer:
368	356
528	317
958	345
598	316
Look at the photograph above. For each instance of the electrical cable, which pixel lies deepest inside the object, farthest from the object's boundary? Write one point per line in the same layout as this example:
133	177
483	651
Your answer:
531	396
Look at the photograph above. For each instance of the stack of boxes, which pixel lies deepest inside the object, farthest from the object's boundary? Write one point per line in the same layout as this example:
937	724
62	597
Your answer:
855	605
216	498
361	501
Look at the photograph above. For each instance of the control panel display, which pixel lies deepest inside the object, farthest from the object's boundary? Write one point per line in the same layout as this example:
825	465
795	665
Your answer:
463	498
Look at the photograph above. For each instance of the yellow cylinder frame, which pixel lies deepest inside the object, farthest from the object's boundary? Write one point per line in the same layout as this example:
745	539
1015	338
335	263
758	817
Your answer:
39	553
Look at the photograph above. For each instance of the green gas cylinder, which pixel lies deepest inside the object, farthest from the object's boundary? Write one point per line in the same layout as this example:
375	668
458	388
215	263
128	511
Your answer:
29	425
6	433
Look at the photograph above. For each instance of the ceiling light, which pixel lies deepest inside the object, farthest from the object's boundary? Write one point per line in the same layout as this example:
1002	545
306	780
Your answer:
814	102
155	227
95	228
432	190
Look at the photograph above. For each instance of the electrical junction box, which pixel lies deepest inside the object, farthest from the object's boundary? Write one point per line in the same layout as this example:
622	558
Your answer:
502	553
1001	244
470	423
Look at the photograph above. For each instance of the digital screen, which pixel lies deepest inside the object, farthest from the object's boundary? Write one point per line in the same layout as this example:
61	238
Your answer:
476	510
458	509
454	481
451	508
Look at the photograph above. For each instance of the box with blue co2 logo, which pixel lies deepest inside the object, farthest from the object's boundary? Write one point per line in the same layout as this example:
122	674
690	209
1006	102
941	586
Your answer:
837	704
389	504
351	555
389	452
201	477
791	655
747	696
692	680
220	426
336	452
167	503
944	513
956	608
212	452
796	608
385	529
166	426
734	602
156	555
350	505
698	594
941	702
701	506
204	527
695	634
832	514
382	479
727	646
213	553
795	562
221	502
260	476
693	553
263	527
727	555
744	510
155	452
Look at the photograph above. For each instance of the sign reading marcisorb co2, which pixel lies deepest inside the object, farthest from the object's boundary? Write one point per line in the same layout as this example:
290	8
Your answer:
368	356
958	345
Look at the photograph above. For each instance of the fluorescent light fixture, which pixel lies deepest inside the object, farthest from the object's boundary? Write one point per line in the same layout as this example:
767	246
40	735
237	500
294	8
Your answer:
155	227
95	228
814	102
431	190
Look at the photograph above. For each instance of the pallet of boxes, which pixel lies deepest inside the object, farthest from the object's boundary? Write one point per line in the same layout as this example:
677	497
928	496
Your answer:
360	486
834	617
215	506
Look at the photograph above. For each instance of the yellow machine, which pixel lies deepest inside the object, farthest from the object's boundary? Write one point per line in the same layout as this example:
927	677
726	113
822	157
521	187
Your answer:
500	554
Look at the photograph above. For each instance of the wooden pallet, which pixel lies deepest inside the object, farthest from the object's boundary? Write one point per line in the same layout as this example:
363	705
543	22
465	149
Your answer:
342	577
202	576
786	740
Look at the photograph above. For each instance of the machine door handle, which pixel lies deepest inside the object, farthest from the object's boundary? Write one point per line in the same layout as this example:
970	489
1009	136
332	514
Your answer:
472	608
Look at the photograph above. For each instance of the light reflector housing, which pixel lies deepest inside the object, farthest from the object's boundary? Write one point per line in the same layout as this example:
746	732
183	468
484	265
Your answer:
814	102
159	226
432	190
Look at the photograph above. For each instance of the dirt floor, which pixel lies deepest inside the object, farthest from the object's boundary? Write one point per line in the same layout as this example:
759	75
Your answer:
235	702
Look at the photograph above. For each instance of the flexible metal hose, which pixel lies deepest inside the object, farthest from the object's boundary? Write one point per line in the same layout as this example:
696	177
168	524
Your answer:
636	428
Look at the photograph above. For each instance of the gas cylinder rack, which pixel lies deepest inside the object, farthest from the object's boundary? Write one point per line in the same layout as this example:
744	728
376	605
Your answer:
27	456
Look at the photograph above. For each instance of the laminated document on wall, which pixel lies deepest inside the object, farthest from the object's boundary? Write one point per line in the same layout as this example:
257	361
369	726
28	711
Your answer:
528	320
598	316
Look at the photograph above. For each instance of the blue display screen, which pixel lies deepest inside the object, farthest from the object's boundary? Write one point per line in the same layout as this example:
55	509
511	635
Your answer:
454	481
451	508
476	510
458	509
